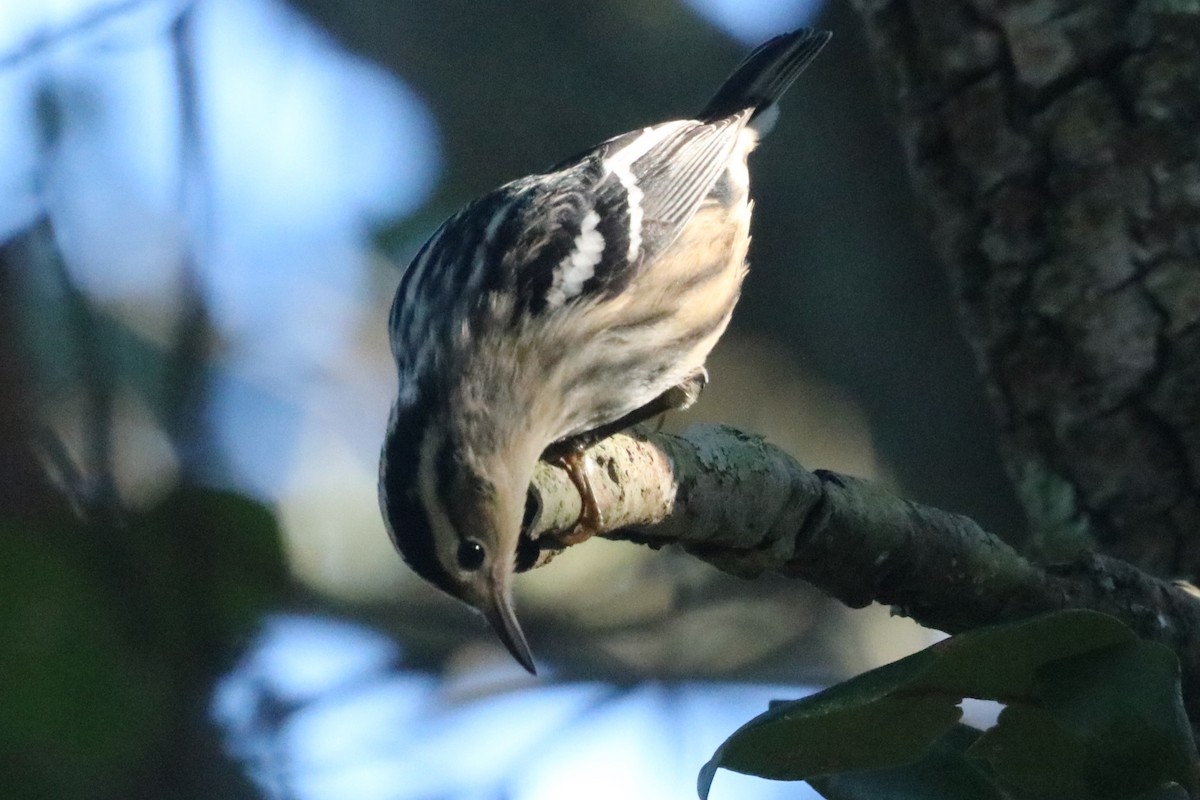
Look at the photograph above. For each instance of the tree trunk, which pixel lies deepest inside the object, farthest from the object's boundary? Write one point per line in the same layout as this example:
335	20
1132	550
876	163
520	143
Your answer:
1054	146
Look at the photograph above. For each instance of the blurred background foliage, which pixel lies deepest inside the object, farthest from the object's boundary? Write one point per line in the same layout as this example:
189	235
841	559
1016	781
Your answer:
204	209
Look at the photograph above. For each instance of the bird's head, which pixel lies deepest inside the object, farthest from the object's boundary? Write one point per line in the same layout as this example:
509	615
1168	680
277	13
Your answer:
457	514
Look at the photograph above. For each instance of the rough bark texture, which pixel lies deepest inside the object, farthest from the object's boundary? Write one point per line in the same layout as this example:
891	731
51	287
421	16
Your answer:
1055	148
747	508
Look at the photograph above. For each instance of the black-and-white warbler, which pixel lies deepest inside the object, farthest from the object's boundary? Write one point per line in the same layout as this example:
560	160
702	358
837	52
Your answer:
557	310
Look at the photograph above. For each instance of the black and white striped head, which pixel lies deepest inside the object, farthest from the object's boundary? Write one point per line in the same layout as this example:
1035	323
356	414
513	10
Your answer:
458	522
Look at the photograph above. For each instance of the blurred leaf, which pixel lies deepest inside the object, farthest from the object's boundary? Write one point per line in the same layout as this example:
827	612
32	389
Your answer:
80	710
945	773
892	715
213	556
113	637
1111	725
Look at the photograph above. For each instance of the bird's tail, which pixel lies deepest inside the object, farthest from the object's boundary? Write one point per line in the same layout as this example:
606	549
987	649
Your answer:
765	74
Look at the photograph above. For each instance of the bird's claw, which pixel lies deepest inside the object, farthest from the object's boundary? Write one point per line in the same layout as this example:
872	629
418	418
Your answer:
590	520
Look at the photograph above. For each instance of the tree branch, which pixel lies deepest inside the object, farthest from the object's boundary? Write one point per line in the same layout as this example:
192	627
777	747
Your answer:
747	508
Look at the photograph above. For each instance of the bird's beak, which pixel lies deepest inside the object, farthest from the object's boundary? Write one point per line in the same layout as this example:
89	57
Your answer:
500	614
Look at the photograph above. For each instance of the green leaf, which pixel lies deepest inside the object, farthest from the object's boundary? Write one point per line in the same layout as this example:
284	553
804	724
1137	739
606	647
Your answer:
890	716
944	773
248	567
1126	701
81	707
1108	725
212	560
1002	661
853	725
1028	749
806	743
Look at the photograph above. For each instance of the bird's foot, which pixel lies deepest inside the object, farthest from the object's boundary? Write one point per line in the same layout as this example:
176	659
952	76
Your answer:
591	520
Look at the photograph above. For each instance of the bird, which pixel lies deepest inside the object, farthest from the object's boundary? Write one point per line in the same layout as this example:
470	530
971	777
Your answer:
555	311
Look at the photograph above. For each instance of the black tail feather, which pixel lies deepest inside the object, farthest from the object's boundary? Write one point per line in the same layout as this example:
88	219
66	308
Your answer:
766	74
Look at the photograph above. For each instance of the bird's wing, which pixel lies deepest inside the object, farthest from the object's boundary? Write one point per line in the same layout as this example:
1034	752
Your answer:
598	220
548	241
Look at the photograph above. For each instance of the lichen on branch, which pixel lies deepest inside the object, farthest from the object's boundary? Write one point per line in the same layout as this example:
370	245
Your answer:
747	507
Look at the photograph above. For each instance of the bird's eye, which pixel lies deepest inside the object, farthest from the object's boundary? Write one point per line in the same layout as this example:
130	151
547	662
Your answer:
470	554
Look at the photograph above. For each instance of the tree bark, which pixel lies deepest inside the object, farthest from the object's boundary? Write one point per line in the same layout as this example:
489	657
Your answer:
1054	147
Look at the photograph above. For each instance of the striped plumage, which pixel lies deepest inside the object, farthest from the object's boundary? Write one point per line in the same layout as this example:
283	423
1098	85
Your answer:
556	310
